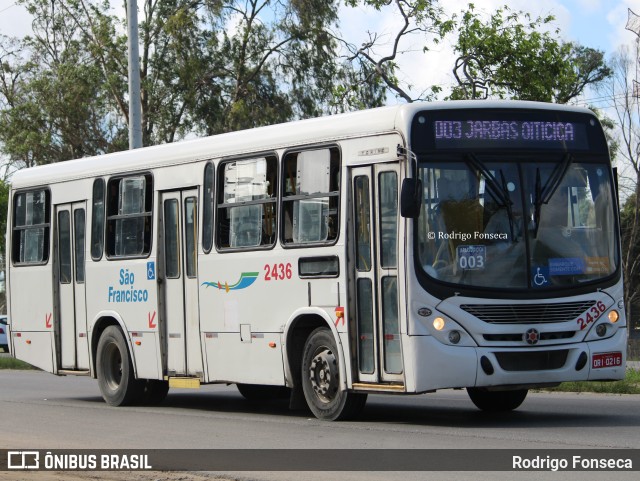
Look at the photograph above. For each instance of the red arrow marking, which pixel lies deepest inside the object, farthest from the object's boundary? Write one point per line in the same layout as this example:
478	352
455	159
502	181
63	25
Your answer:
151	318
47	321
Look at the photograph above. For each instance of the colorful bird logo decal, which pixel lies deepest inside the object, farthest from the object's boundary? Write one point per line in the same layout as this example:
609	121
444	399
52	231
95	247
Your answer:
246	279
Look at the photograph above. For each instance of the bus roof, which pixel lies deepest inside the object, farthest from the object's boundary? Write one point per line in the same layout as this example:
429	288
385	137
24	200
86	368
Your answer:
302	132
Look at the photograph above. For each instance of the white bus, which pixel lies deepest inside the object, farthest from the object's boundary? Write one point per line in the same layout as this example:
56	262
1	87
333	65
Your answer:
398	250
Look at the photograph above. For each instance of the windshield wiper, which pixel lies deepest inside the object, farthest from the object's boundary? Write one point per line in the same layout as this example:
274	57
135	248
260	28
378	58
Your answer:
543	194
499	191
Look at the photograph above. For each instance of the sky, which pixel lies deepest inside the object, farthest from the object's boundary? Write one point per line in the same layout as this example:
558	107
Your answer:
598	24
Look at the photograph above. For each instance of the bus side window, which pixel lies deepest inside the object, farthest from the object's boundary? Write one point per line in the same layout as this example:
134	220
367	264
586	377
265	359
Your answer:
31	223
129	206
246	203
208	207
310	199
97	220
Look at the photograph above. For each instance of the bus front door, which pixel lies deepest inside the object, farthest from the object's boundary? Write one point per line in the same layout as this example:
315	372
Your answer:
178	234
70	327
377	328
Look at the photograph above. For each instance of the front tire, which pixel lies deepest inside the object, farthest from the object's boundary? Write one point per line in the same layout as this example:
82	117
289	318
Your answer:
497	401
321	380
115	370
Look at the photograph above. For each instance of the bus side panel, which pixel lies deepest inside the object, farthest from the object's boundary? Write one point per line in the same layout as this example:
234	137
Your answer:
245	301
36	348
145	354
32	315
128	287
246	357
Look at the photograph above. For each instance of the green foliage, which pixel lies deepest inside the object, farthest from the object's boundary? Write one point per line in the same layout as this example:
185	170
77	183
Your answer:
53	104
629	226
11	363
629	385
206	66
512	55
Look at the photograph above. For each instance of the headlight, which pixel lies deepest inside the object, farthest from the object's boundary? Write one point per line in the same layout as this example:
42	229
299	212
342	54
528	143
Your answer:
449	332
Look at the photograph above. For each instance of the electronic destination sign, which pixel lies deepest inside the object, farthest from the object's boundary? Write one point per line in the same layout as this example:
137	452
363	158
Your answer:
481	129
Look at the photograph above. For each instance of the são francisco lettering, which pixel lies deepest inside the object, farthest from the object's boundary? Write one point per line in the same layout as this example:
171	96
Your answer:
505	130
127	292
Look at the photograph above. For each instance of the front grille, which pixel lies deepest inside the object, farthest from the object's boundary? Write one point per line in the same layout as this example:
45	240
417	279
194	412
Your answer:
532	361
544	336
527	313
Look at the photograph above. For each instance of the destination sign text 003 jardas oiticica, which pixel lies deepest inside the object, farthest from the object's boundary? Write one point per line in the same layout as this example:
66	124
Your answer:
499	129
509	133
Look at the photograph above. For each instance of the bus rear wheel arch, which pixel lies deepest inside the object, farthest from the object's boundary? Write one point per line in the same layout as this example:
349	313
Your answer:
496	401
321	380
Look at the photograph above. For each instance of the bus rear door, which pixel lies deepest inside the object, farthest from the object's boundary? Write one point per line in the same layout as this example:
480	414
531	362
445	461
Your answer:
71	323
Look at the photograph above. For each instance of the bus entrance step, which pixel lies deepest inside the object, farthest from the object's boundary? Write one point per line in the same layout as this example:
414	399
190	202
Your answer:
70	372
184	382
365	386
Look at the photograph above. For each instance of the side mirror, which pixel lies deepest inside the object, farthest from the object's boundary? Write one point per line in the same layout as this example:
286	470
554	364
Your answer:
411	198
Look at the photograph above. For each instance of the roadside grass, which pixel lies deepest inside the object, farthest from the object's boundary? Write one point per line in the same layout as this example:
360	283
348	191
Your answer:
629	385
11	363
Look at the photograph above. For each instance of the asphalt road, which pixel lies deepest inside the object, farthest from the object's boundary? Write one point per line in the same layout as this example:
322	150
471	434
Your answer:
42	411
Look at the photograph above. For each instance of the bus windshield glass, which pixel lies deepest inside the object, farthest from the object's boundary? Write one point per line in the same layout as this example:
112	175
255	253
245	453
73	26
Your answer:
514	198
494	221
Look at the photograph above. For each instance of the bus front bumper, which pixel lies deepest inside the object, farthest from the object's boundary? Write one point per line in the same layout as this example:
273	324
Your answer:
440	366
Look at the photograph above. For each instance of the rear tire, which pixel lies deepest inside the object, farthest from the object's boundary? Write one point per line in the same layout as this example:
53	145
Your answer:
321	380
115	370
496	401
260	392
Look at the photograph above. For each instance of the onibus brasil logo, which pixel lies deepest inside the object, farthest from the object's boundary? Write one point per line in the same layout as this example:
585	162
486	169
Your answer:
246	279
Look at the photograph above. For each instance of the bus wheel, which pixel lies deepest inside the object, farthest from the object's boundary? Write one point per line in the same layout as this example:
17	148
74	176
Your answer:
155	391
321	380
115	370
259	392
496	401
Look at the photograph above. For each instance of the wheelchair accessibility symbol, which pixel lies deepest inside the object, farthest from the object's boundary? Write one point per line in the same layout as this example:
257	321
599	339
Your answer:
151	271
540	277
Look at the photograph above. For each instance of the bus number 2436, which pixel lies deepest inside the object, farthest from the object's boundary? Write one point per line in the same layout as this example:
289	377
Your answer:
277	272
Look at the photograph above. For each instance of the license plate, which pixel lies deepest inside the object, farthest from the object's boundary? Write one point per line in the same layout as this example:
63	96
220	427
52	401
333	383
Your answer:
606	359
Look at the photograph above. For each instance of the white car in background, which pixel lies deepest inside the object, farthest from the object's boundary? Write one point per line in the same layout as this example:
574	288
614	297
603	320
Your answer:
4	340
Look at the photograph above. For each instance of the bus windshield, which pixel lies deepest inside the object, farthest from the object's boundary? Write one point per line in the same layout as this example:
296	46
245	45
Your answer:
537	221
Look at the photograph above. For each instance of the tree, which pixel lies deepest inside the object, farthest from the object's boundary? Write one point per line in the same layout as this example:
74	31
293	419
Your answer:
419	17
622	90
207	66
631	259
511	55
53	105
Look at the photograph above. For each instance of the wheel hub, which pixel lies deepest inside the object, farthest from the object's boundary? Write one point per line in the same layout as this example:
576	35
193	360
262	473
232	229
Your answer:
323	374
